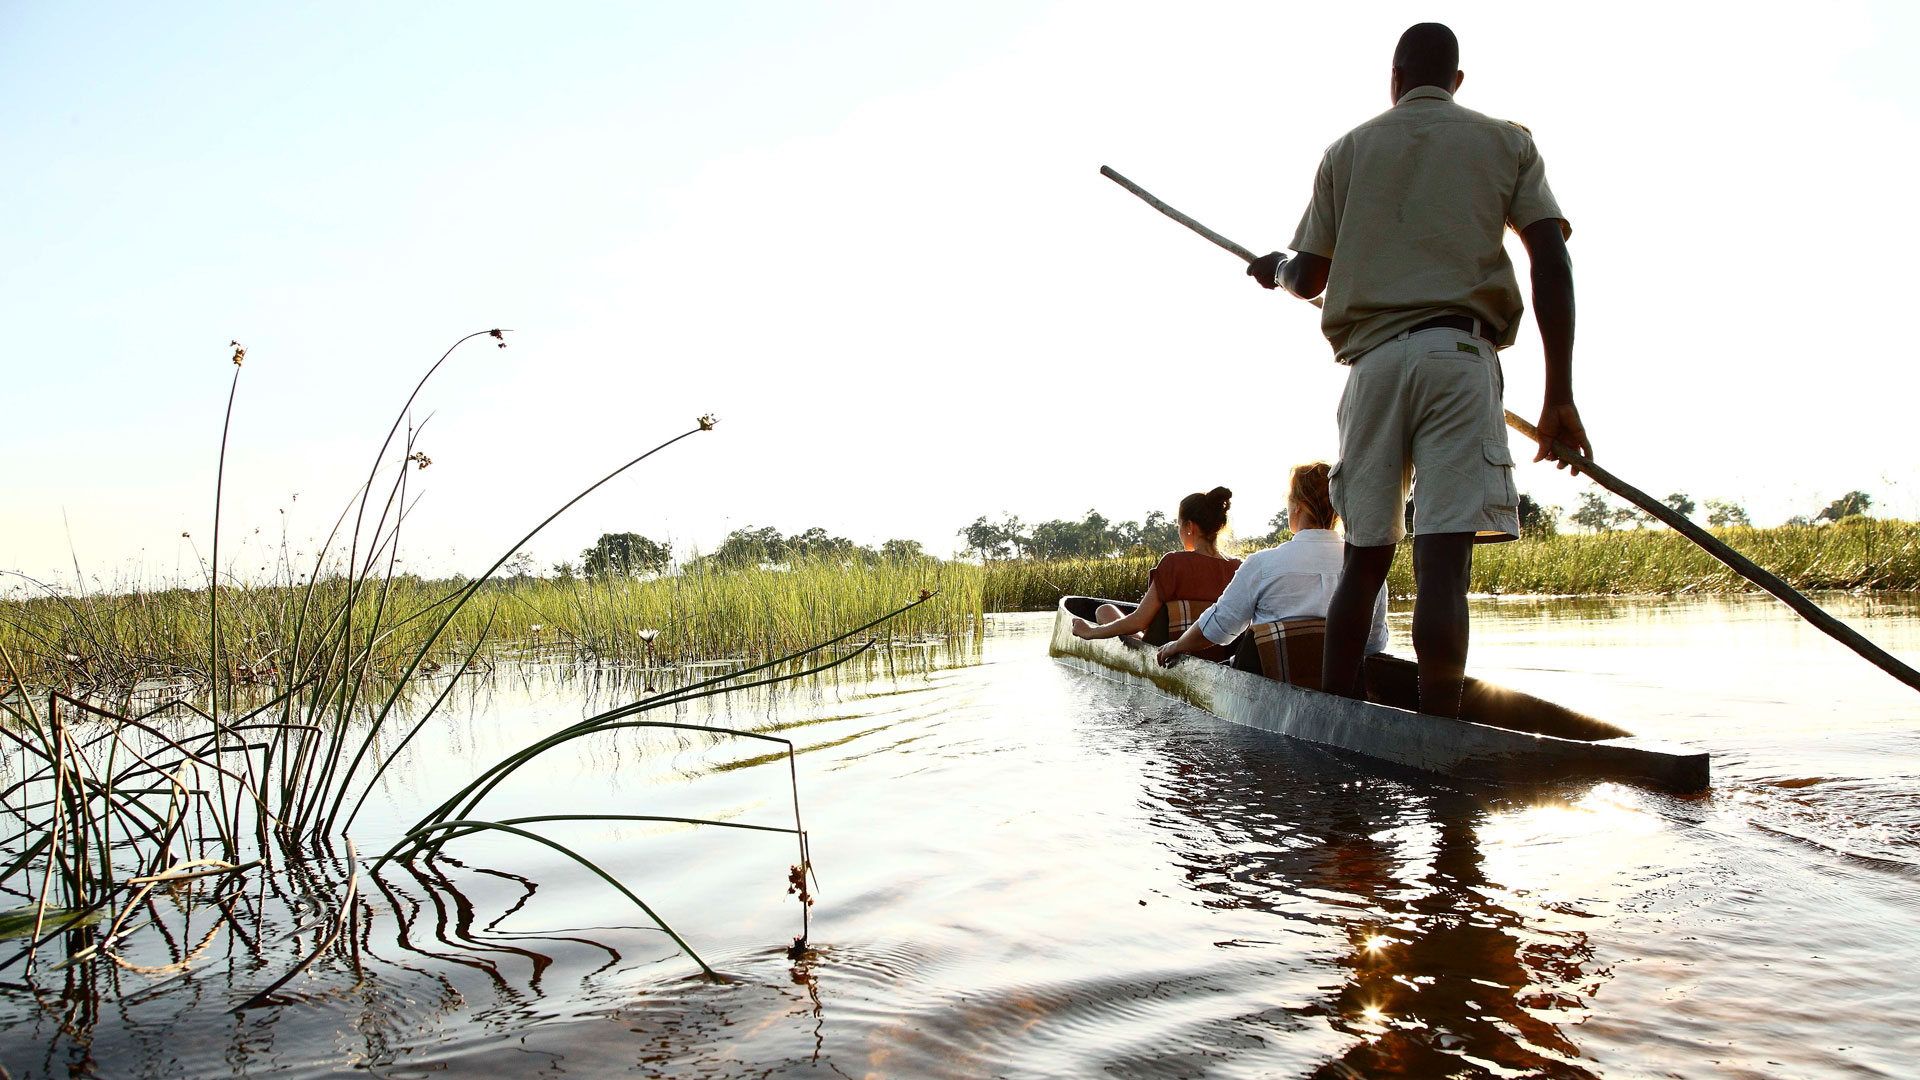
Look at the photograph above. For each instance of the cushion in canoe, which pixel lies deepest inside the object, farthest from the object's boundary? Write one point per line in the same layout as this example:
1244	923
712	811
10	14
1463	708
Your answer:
1173	619
1288	652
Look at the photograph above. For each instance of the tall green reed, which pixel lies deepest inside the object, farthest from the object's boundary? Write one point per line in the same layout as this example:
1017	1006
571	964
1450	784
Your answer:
113	802
116	638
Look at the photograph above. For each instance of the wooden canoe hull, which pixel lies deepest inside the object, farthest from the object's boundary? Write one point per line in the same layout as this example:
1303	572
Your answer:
1458	748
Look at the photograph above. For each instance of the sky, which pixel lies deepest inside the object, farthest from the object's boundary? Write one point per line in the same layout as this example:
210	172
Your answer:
873	240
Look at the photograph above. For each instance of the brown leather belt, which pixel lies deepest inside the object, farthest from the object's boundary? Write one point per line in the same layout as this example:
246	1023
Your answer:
1477	327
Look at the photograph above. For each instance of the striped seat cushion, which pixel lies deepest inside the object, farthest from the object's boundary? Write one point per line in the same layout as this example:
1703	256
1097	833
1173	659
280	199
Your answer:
1182	614
1289	652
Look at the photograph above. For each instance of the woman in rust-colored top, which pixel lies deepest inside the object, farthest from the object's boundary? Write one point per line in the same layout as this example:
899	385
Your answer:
1197	573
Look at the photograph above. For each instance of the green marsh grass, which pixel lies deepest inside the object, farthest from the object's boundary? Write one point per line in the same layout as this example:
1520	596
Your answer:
109	640
113	638
220	784
1857	554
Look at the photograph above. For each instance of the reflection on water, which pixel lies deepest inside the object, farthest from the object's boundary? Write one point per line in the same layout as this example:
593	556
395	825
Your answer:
1438	966
1027	872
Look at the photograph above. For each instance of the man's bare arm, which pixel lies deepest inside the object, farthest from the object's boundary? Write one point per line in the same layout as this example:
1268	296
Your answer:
1304	275
1553	309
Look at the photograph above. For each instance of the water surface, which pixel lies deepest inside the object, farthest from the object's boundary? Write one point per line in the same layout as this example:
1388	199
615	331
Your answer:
1028	872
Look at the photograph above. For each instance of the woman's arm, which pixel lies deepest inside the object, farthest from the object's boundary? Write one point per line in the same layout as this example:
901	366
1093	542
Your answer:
1190	642
1133	623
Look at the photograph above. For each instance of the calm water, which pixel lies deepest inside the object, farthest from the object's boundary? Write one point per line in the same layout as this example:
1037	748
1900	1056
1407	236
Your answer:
1026	872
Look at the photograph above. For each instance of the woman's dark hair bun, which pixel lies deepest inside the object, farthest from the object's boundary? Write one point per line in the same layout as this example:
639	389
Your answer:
1207	510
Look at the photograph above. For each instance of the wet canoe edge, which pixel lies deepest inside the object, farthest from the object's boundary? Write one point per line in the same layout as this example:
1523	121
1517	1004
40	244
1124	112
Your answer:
1510	738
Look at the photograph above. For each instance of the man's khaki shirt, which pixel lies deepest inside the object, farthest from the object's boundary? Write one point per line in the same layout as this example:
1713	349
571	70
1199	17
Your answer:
1412	207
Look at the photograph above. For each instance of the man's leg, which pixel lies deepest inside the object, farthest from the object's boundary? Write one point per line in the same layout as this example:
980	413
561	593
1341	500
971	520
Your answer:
1350	618
1442	563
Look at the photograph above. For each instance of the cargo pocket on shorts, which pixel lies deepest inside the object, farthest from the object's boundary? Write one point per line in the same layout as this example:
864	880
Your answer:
1501	494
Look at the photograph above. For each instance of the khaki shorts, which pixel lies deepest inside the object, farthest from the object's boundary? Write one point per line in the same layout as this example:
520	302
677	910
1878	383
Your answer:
1425	406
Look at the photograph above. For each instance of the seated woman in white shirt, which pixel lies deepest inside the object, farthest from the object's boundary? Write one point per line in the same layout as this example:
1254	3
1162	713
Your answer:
1292	581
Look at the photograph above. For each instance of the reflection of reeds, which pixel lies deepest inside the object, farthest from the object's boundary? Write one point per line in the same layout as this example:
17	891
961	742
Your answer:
113	803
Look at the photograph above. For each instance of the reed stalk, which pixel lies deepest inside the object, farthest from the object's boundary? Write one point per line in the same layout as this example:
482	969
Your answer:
114	803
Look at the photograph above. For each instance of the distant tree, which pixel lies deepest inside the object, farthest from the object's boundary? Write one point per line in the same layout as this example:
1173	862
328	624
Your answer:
1846	506
1593	514
982	538
1158	532
518	568
1537	519
564	571
1631	515
1096	534
816	543
1090	537
1004	539
1681	504
625	555
1278	532
902	550
1800	520
1056	539
1724	512
807	543
1409	513
750	547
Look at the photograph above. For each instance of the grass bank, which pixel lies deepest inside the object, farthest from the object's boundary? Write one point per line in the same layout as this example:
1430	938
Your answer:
765	611
116	638
1857	554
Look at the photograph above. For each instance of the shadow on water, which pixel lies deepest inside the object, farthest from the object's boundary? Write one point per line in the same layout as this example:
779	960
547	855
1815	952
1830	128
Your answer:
434	956
1425	970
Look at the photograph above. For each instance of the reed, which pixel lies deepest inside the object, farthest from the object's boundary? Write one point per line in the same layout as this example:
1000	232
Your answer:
1030	585
110	803
115	638
118	639
1858	554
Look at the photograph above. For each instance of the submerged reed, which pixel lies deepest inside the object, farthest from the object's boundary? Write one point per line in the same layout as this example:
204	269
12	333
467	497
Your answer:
110	803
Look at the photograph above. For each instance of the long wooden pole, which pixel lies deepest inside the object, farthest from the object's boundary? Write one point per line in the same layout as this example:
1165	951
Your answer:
1738	563
1147	197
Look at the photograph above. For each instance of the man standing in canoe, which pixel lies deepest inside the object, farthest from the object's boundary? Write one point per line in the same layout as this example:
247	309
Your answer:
1404	235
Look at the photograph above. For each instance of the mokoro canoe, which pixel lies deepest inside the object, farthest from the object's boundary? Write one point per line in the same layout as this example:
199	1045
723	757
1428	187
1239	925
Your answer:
1503	736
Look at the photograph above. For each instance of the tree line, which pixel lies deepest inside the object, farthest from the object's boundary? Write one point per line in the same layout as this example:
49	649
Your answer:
1597	513
631	555
1094	536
